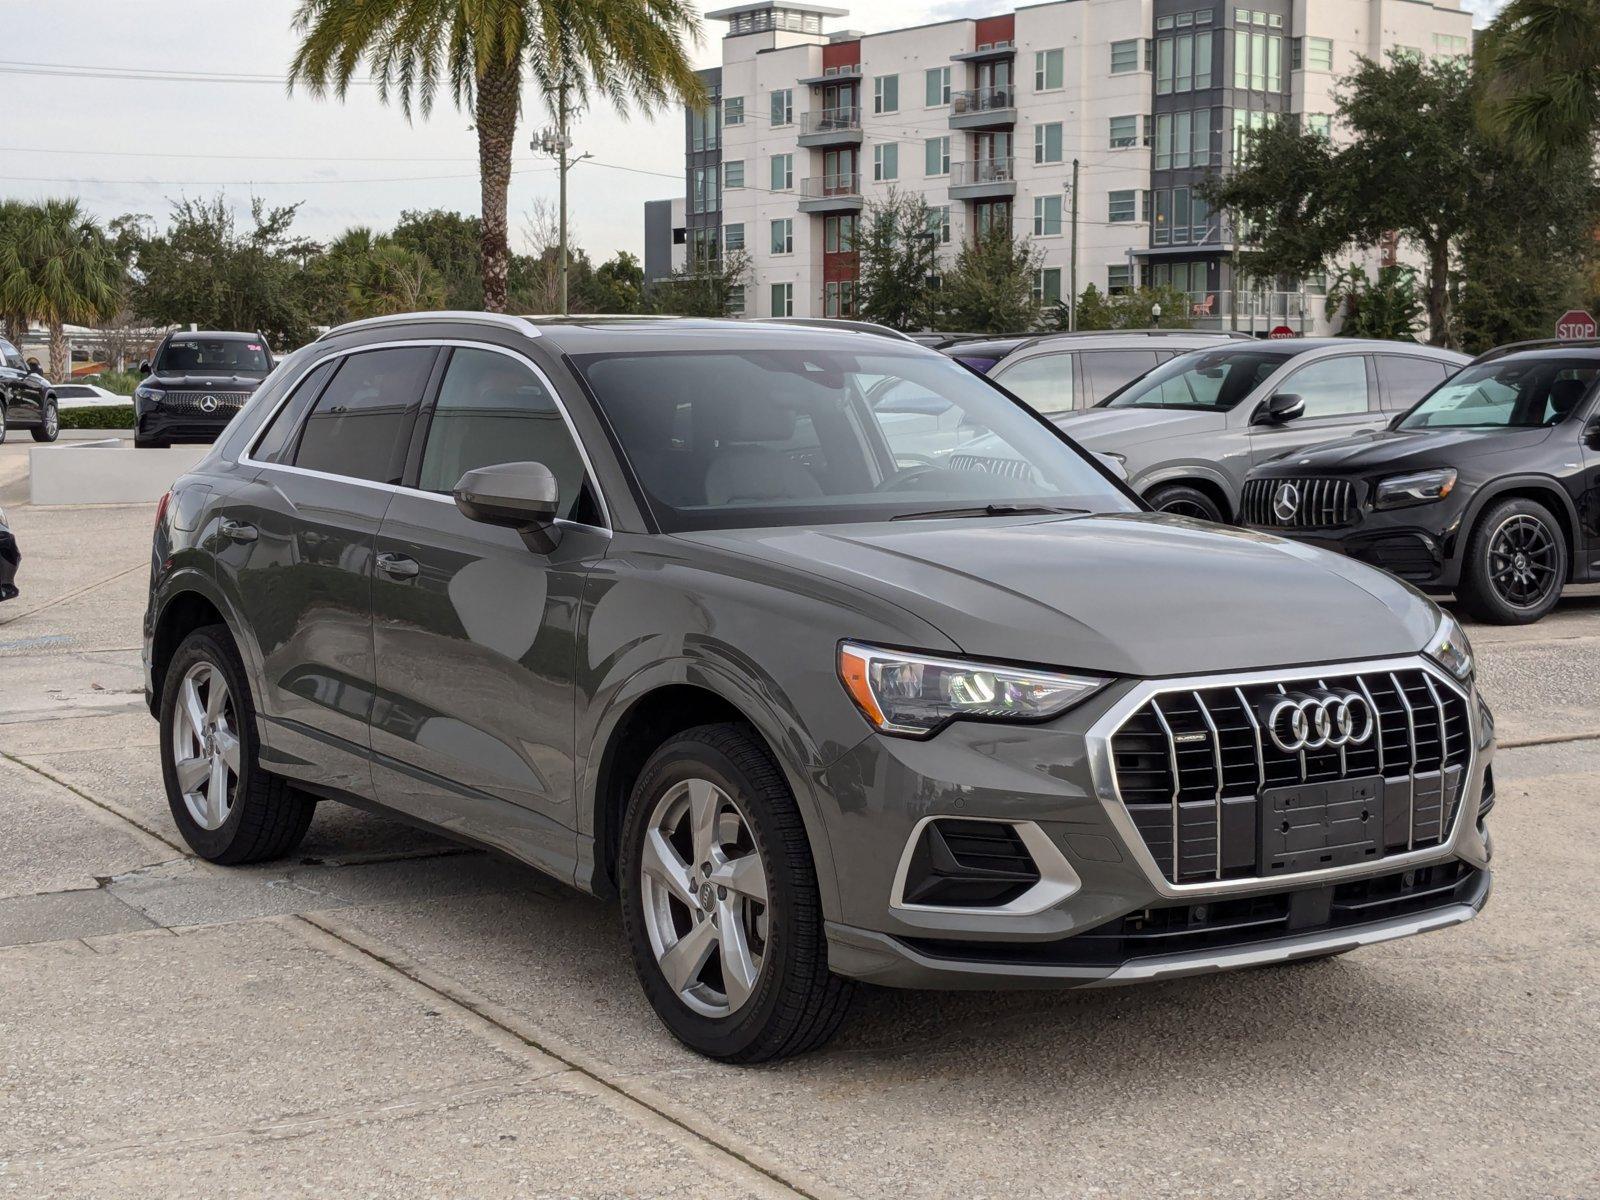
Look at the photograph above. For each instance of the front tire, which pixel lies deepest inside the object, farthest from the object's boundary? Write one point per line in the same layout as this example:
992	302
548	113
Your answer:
3	429
1516	564
720	902
50	428
228	809
1183	501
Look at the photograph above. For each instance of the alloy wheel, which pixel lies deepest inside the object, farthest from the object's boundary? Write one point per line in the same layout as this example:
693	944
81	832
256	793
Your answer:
52	422
1186	508
205	745
704	890
1522	561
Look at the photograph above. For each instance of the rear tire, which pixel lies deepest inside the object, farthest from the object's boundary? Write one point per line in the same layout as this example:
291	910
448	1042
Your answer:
234	812
50	429
755	841
3	429
1183	501
1515	565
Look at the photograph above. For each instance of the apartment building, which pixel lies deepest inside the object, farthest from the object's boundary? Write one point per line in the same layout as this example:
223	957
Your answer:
985	118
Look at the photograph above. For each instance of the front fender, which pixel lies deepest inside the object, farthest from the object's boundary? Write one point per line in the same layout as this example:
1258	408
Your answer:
1554	492
1176	472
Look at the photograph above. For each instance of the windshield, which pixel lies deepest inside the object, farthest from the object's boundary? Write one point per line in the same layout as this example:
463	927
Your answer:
1505	395
775	437
220	356
1206	380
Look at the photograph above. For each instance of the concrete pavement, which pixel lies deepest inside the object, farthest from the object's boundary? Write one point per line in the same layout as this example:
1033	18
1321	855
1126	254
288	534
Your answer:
386	1014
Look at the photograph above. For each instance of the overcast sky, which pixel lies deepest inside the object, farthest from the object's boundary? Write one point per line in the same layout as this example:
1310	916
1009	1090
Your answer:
133	144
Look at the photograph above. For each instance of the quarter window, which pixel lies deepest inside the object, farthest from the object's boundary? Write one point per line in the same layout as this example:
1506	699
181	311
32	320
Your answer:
281	430
1406	380
1104	371
360	416
492	409
1043	383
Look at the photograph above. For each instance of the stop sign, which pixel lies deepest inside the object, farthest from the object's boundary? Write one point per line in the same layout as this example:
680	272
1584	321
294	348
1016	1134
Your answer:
1280	332
1576	325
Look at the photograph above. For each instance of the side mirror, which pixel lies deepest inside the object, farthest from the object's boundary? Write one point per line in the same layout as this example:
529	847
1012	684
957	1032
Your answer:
1113	464
34	368
519	495
1283	407
144	367
1591	435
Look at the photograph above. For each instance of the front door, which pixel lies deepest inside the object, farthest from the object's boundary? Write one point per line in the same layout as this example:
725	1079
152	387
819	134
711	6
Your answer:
475	632
1339	402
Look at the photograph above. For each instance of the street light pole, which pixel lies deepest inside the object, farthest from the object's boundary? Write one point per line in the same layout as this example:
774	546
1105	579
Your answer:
1072	267
556	142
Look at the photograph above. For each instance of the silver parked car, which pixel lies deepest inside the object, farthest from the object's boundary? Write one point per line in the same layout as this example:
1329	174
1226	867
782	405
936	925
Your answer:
1061	373
1189	431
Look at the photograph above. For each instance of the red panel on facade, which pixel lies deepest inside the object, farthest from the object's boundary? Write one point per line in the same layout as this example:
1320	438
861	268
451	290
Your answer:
838	267
992	30
840	54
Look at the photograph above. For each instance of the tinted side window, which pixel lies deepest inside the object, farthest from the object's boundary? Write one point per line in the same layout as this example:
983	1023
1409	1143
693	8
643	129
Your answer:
280	433
12	358
493	409
1043	383
358	419
1407	380
1332	387
1104	371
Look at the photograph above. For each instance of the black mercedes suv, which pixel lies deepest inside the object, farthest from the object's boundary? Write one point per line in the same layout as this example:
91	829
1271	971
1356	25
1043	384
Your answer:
195	384
1489	487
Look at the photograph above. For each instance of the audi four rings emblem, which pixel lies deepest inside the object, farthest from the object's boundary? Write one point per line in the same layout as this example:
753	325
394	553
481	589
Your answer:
1325	720
1286	503
208	404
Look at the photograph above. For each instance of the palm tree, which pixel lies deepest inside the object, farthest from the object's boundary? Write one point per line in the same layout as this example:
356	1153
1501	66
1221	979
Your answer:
11	216
56	267
1541	62
631	52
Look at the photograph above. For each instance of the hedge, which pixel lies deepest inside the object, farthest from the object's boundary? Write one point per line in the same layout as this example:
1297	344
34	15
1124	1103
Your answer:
107	416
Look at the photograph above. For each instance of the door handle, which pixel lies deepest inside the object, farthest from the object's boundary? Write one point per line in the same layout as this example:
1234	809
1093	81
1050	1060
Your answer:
239	531
398	566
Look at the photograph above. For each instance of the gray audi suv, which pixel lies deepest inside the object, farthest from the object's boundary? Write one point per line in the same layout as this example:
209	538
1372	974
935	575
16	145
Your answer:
662	609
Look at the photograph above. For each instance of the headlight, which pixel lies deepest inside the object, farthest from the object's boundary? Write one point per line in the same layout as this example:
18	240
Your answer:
1419	487
146	391
915	696
1450	648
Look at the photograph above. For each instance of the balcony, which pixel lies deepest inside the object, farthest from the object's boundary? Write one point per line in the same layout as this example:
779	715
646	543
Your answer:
984	108
831	127
831	193
995	52
983	179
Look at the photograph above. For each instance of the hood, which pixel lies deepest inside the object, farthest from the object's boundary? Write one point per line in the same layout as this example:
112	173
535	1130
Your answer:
1141	594
232	383
1114	428
1403	450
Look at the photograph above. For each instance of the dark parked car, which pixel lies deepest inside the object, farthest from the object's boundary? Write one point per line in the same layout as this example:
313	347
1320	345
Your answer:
27	399
1489	487
657	608
10	560
196	383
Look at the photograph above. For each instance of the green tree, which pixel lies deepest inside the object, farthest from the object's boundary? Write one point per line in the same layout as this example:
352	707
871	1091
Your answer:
1388	308
1541	60
453	243
897	247
705	289
631	52
1129	309
617	285
989	288
57	267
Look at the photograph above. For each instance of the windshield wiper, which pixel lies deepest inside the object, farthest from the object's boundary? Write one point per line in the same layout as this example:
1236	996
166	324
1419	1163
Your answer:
989	510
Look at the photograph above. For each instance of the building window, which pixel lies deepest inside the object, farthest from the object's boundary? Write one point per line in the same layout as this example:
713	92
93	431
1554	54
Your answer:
733	236
1121	206
1244	121
1124	132
936	156
1183	140
839	234
783	107
704	125
1047	286
1183	63
886	162
1049	70
705	193
783	235
1047	142
1448	45
782	172
1047	216
733	110
839	298
1320	124
783	299
1313	54
1257	50
886	94
1149	130
939	222
736	300
1119	278
733	173
992	216
937	84
1125	56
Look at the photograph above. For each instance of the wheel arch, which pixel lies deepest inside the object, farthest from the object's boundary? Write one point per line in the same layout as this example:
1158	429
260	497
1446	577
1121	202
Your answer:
1201	479
189	603
1541	489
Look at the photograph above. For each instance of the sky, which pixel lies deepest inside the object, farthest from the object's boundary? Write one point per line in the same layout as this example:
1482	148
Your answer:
136	144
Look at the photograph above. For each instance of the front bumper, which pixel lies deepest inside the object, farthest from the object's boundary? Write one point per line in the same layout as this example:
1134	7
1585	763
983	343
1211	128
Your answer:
1105	911
153	423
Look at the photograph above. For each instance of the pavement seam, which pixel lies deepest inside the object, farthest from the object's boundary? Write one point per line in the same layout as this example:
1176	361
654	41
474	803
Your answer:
793	1181
1552	739
106	806
73	595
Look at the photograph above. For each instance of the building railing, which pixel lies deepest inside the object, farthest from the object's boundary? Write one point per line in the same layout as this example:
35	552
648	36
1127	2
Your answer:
841	183
983	170
984	99
844	119
1257	311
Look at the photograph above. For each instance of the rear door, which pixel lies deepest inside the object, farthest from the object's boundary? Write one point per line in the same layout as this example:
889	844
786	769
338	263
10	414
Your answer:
14	384
1339	400
1105	371
475	634
296	552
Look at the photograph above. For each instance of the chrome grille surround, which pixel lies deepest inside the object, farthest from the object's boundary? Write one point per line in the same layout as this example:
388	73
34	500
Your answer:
188	402
1438	687
1319	503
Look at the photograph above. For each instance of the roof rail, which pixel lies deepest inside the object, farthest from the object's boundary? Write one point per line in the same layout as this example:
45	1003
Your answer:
517	324
1060	334
1535	344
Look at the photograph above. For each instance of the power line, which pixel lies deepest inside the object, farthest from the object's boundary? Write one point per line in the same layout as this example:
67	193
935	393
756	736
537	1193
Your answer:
92	71
83	153
253	182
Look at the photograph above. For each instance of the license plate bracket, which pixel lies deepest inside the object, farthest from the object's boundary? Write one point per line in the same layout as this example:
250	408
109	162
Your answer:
1310	826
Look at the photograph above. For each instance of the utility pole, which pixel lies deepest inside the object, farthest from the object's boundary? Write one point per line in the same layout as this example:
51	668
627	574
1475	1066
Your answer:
1072	267
1233	271
555	142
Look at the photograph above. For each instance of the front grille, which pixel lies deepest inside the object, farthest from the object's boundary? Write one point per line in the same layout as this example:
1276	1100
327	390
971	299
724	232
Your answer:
189	403
1207	786
1009	468
1312	504
969	864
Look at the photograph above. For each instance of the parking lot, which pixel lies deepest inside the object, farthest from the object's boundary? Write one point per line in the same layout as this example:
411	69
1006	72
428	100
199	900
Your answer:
388	1014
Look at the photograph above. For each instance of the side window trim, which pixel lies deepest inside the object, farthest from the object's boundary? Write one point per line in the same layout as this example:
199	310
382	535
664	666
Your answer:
293	438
